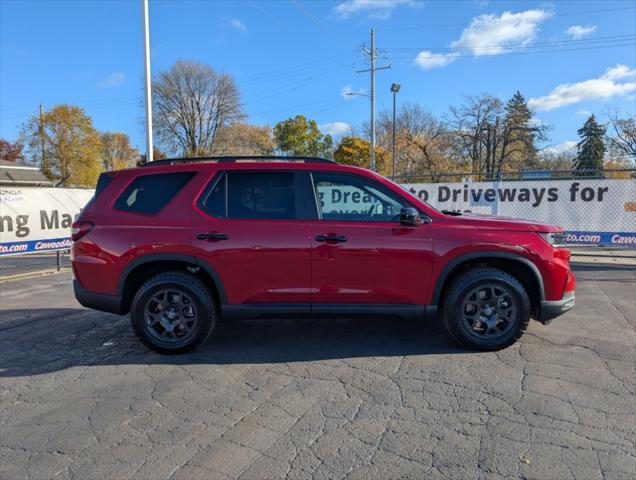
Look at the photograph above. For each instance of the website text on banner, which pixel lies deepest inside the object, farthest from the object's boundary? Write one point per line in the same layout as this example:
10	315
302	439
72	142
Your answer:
38	219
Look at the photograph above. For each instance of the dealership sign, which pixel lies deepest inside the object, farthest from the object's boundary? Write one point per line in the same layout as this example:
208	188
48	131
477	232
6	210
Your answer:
38	219
593	212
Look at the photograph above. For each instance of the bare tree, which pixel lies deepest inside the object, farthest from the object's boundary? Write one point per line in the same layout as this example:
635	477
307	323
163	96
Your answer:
624	139
474	124
496	137
244	139
191	103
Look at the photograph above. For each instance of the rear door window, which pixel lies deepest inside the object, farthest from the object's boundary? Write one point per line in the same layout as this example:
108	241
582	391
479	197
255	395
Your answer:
253	196
150	193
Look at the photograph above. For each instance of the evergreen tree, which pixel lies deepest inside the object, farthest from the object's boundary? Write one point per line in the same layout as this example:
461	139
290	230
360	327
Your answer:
591	148
520	132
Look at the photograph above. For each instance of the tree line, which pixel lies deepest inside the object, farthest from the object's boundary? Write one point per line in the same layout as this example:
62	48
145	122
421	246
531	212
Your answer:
197	111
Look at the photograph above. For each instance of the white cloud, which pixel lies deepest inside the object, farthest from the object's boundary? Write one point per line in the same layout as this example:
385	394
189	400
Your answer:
113	80
579	31
562	147
236	24
347	89
612	83
583	112
489	34
427	60
377	9
335	129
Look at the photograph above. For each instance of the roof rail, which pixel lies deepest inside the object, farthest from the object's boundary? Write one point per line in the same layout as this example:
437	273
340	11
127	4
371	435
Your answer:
233	159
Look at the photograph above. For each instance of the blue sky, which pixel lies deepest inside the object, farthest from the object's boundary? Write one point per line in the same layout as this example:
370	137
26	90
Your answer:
297	57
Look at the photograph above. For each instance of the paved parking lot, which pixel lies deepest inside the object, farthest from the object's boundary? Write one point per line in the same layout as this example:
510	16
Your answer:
361	399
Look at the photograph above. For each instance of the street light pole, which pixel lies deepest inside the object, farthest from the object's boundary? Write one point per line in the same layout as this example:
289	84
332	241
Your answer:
148	96
395	88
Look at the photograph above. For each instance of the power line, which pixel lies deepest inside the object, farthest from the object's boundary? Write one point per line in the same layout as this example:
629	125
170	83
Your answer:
450	25
530	52
314	19
606	39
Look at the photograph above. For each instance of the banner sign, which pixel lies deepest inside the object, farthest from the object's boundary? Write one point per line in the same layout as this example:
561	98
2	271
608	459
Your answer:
592	212
38	219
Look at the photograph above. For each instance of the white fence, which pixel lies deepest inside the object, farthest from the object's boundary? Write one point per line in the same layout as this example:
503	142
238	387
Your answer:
593	212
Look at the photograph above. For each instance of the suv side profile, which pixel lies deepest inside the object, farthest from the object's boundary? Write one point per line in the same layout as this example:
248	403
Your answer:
180	244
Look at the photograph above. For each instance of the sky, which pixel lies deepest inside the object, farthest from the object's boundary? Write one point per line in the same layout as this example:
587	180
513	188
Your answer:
288	57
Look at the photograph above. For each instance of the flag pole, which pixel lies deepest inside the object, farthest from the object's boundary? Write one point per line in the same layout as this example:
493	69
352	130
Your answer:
148	96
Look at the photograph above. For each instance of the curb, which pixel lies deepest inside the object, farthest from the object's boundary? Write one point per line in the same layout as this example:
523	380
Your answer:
36	273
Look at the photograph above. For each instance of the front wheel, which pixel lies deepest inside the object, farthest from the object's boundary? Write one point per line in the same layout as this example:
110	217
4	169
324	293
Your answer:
173	312
486	309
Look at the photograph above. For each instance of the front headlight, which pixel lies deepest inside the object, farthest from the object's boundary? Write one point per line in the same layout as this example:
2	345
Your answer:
555	239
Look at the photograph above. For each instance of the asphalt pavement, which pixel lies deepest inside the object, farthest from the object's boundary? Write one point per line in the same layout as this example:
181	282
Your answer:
81	398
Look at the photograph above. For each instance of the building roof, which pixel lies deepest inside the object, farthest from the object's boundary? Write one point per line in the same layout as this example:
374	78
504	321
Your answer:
22	175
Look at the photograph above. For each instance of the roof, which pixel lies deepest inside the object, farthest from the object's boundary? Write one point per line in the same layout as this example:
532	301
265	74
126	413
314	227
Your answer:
21	175
238	159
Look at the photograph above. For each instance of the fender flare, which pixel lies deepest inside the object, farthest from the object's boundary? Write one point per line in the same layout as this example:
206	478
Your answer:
451	264
173	257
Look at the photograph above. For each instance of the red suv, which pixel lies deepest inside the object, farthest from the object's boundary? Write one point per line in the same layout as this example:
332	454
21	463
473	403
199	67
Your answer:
182	243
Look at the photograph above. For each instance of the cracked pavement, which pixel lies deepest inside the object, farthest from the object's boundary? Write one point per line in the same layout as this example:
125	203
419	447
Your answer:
81	398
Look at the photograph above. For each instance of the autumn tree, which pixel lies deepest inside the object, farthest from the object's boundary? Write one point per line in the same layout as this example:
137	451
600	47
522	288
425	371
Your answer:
423	145
10	151
591	148
244	139
72	146
300	136
117	153
356	151
157	154
191	105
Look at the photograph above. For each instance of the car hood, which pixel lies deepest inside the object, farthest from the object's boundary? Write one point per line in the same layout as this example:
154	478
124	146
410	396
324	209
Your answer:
496	222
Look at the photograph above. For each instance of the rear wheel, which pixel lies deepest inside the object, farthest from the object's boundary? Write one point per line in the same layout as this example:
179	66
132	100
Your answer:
486	309
173	312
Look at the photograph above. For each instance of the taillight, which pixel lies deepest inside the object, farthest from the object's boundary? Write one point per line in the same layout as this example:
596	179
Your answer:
79	229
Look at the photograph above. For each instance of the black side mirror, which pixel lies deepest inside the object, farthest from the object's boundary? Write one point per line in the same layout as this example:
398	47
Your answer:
410	217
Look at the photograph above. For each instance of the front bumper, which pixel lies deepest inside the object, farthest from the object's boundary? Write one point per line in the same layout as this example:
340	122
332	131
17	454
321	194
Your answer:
552	309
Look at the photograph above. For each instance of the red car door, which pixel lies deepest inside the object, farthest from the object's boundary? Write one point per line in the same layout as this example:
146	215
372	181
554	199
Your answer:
249	226
360	251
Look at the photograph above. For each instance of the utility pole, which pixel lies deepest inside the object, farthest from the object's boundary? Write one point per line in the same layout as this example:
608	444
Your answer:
148	97
395	88
44	167
372	52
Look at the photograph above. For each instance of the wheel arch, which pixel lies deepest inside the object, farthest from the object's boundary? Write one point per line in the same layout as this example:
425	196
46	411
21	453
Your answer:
517	265
142	268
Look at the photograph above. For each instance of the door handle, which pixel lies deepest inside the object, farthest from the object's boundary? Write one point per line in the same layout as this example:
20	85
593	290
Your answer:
331	238
212	236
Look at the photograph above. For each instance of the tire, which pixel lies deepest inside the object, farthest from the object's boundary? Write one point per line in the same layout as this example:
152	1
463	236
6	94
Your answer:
173	313
486	309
